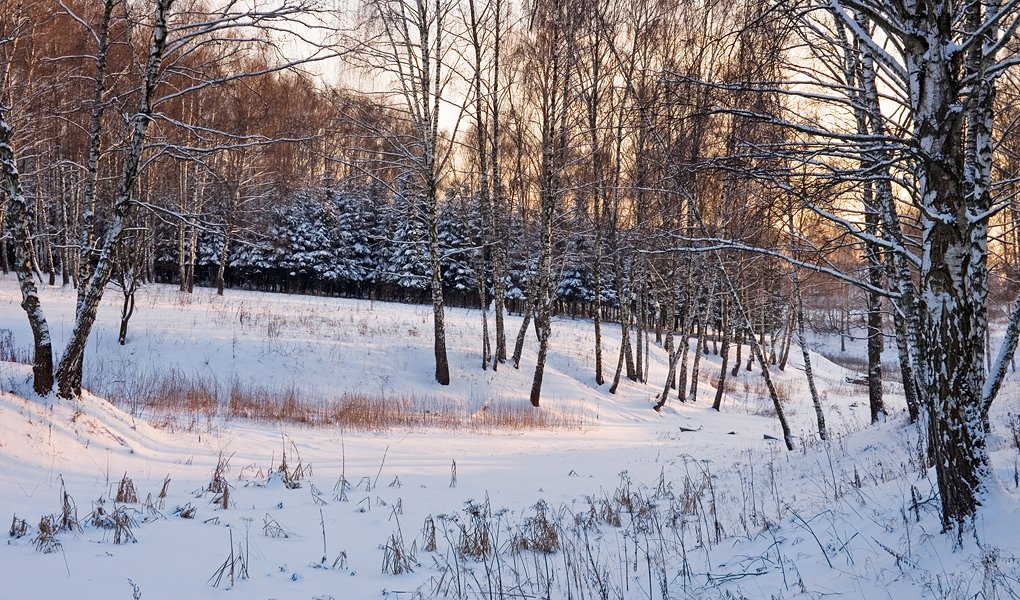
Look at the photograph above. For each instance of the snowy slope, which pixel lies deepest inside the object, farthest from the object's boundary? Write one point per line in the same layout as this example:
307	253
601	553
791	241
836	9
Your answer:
715	512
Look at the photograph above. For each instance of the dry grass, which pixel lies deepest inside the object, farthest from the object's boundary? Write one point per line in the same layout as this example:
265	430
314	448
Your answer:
175	401
9	352
759	402
859	364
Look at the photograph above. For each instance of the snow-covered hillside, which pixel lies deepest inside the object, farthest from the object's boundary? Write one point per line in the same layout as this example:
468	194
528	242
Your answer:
686	503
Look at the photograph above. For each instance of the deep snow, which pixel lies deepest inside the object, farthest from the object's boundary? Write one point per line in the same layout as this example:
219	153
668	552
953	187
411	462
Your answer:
716	512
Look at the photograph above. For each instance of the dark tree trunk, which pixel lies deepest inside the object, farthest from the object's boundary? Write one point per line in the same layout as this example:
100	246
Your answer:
126	311
69	372
523	331
738	339
953	169
543	291
720	386
20	229
787	340
639	335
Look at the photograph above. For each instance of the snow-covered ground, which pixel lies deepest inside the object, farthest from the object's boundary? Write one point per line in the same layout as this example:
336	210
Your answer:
686	503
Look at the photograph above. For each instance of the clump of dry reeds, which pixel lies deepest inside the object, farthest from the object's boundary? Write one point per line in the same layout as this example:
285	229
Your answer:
218	484
398	558
538	533
19	528
126	492
46	541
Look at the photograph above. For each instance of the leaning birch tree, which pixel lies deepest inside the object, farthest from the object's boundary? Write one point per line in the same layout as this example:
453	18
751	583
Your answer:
19	226
176	35
551	45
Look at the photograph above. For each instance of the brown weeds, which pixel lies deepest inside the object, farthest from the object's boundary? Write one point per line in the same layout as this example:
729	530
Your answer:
175	400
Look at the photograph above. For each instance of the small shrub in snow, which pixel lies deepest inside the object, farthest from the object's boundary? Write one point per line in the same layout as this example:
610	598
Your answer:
218	483
46	541
622	495
123	524
19	528
476	538
340	489
120	521
136	592
397	559
153	506
126	493
186	512
68	519
234	567
538	533
223	500
428	533
99	517
610	514
272	528
291	477
341	561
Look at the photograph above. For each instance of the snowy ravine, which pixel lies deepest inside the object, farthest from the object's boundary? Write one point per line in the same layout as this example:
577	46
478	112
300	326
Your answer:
629	503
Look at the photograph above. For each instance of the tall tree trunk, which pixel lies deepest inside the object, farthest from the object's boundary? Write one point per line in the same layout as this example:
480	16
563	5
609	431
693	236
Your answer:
618	372
758	352
65	228
787	340
954	192
855	73
738	340
720	386
69	372
823	433
483	304
86	238
438	310
182	256
482	149
702	332
682	351
907	376
671	350
42	215
18	225
897	269
528	309
875	401
192	255
597	311
674	356
126	310
221	271
543	291
639	333
496	197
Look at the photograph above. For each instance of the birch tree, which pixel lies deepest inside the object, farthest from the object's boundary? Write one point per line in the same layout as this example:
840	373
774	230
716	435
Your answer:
941	61
175	36
553	34
18	224
413	47
16	209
